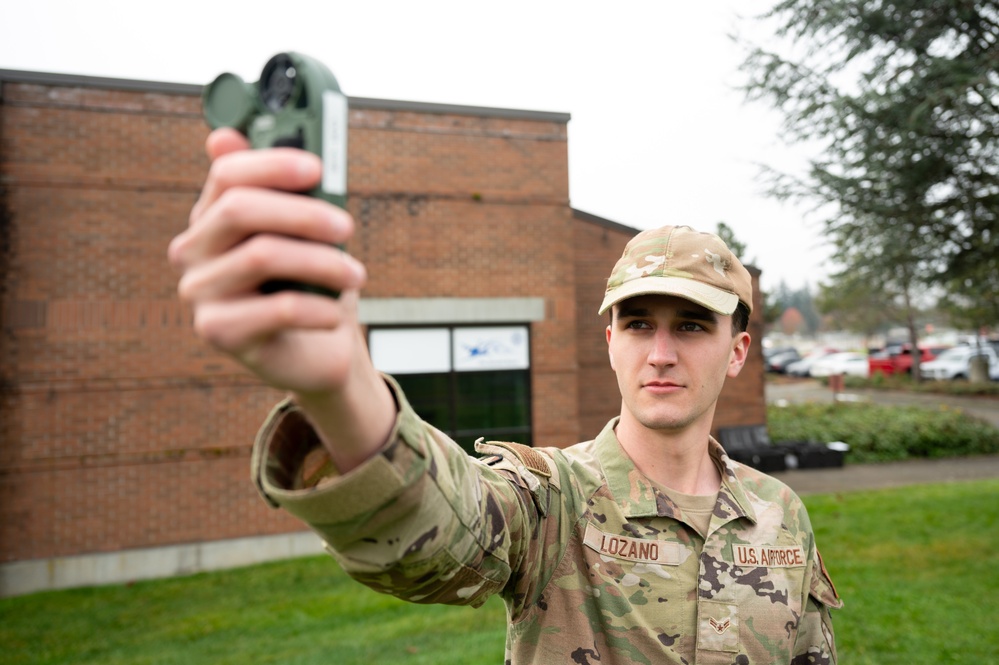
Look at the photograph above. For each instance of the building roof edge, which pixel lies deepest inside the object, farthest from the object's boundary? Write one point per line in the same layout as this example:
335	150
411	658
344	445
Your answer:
135	85
603	221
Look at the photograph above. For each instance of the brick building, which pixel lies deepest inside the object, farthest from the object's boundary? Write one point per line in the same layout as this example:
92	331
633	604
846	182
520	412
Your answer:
125	441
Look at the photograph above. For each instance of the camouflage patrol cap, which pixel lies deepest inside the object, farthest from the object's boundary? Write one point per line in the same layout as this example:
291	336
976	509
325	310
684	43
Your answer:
679	261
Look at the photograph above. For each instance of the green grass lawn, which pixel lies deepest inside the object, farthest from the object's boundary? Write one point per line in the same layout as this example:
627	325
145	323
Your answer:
918	568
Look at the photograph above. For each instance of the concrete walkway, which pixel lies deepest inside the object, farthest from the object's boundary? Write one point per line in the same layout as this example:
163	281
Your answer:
887	474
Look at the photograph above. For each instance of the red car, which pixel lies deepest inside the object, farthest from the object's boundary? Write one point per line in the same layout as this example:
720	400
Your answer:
899	360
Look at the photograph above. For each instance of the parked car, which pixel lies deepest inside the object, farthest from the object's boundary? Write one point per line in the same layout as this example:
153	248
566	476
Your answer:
849	363
955	363
898	360
778	362
771	351
803	366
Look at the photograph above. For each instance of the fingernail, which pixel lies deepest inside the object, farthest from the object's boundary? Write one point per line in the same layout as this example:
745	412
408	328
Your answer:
338	221
307	165
360	273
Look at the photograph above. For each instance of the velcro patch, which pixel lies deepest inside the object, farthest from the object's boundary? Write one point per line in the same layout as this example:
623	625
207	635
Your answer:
634	549
769	557
528	456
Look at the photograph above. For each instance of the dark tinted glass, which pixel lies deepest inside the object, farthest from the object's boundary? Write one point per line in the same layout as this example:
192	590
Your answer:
495	405
470	405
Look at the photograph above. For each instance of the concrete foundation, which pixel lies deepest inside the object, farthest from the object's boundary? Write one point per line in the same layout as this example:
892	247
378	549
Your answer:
23	577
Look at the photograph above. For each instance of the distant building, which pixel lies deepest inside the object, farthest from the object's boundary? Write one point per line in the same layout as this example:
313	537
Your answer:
126	441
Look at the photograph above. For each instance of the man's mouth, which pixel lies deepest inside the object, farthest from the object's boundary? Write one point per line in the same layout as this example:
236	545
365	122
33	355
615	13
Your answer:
661	386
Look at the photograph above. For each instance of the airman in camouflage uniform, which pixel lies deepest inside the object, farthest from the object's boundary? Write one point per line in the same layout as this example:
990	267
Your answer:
596	562
645	545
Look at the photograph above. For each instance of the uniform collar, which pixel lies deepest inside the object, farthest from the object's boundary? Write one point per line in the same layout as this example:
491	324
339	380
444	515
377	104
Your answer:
637	497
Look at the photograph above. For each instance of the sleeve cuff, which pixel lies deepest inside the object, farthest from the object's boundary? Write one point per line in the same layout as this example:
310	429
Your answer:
291	469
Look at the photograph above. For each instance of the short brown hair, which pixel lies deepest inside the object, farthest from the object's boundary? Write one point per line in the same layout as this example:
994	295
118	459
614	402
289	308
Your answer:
740	319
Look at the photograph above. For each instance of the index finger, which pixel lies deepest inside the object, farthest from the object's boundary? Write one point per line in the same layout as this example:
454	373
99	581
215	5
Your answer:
225	140
285	169
220	142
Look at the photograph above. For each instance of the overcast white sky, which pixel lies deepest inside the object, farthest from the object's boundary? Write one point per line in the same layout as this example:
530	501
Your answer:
658	132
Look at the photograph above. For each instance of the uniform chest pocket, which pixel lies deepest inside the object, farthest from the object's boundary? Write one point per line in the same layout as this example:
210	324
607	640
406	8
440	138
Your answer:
637	569
758	594
770	574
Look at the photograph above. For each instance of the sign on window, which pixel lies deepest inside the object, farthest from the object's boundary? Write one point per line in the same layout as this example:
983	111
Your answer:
496	348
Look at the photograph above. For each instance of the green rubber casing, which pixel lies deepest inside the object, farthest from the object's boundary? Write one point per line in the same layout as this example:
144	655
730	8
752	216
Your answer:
296	103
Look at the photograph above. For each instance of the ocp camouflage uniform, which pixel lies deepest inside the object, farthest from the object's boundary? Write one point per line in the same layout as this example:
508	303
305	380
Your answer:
595	564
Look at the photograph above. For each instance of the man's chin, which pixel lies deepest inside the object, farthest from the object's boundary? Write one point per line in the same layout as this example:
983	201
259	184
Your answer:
665	422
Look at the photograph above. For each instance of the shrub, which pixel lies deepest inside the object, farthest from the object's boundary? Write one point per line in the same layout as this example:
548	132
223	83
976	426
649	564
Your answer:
905	382
879	433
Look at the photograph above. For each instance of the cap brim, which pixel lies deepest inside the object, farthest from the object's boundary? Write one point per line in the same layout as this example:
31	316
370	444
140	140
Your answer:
717	300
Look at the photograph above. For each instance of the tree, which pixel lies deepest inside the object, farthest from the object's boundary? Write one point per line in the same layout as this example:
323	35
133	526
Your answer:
903	98
791	321
855	304
771	309
970	300
805	317
725	232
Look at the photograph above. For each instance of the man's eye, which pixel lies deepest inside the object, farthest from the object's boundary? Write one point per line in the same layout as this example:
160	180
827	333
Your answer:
637	325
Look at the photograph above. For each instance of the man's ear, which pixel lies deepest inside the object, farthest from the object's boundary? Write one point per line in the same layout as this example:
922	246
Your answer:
610	354
740	352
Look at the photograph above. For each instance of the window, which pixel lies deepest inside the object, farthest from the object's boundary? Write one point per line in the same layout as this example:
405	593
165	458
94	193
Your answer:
469	382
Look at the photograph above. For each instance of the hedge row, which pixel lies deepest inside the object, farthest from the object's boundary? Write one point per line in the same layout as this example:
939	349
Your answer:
905	383
879	433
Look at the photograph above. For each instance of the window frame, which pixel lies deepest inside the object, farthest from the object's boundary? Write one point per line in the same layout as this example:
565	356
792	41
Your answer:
521	433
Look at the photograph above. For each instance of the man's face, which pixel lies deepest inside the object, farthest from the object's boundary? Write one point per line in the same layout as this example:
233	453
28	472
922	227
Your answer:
671	357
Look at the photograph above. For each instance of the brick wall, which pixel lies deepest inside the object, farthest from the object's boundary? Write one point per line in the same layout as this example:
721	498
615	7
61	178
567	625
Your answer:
742	401
119	428
599	244
456	206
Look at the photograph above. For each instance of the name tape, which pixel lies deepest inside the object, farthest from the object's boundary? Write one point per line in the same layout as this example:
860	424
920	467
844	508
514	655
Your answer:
770	557
633	549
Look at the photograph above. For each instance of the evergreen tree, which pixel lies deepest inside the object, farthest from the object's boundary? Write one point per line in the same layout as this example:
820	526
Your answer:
903	97
725	232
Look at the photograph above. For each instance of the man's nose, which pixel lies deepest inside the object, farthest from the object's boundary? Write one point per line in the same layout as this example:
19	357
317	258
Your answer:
663	351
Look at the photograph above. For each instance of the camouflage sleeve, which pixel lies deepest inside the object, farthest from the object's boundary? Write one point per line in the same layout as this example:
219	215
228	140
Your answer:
421	520
816	643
